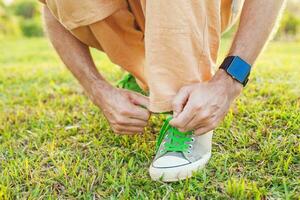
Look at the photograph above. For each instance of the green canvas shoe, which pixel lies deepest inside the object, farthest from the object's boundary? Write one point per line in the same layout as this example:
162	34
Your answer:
129	82
179	154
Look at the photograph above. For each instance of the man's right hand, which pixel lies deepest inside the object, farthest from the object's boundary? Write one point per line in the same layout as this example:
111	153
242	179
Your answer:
122	108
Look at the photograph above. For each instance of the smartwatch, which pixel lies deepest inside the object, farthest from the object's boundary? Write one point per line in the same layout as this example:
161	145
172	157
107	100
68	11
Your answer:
237	68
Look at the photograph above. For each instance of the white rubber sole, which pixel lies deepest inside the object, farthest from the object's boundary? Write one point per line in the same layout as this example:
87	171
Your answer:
178	173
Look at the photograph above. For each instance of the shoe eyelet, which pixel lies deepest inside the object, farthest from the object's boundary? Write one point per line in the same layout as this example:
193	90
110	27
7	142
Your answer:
193	139
190	146
188	151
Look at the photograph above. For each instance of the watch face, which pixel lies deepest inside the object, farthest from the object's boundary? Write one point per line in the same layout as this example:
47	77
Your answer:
239	69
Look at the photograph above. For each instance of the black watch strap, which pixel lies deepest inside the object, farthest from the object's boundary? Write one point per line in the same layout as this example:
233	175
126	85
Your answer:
237	68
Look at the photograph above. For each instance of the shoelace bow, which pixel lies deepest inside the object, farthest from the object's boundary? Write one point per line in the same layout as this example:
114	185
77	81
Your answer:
177	140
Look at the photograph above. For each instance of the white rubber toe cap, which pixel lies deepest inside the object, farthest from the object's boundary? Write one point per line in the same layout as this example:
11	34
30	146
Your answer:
180	172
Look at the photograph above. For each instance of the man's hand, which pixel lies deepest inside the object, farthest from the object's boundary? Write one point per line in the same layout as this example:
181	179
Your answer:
201	107
122	108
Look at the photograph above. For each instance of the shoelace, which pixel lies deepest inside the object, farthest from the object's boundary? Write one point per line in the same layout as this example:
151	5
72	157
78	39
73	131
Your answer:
178	141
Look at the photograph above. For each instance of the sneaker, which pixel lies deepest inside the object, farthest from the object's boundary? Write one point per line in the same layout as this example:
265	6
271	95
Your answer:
179	154
129	82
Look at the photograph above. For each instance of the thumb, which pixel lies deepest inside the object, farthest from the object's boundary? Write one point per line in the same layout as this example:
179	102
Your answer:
139	99
180	101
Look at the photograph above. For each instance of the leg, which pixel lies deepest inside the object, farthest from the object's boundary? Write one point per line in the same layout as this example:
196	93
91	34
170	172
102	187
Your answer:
121	108
120	35
182	41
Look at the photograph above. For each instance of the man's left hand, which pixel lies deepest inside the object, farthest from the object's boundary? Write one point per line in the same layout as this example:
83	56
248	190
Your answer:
201	107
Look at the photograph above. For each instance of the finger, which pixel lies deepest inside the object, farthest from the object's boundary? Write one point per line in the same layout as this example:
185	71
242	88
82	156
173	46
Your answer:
139	99
211	124
198	121
133	122
136	112
203	118
180	101
204	130
184	117
127	130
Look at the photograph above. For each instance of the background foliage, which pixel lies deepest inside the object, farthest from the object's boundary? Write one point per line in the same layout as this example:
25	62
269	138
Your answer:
22	18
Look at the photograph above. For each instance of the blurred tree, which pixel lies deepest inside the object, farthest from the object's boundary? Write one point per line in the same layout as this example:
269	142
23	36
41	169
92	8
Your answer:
20	16
25	15
9	25
32	27
290	23
25	8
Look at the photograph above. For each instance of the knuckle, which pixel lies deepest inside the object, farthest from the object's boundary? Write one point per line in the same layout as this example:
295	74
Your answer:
198	132
119	120
118	128
212	125
112	122
182	129
119	131
139	130
144	123
179	126
115	129
215	124
205	116
124	112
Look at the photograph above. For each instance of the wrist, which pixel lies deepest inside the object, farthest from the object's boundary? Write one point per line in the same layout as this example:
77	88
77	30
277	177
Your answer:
233	86
98	90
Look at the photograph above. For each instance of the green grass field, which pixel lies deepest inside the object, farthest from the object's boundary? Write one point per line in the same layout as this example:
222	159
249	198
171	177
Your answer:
54	143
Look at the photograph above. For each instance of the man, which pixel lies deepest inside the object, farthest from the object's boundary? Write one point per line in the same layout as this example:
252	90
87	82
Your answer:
170	47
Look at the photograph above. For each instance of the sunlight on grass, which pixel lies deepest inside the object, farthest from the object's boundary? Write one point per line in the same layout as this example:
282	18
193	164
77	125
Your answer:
55	144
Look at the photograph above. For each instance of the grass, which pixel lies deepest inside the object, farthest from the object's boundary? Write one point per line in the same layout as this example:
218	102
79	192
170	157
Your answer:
55	144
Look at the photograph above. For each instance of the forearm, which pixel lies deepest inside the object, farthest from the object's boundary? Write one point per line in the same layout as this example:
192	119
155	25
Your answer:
202	113
75	55
257	21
